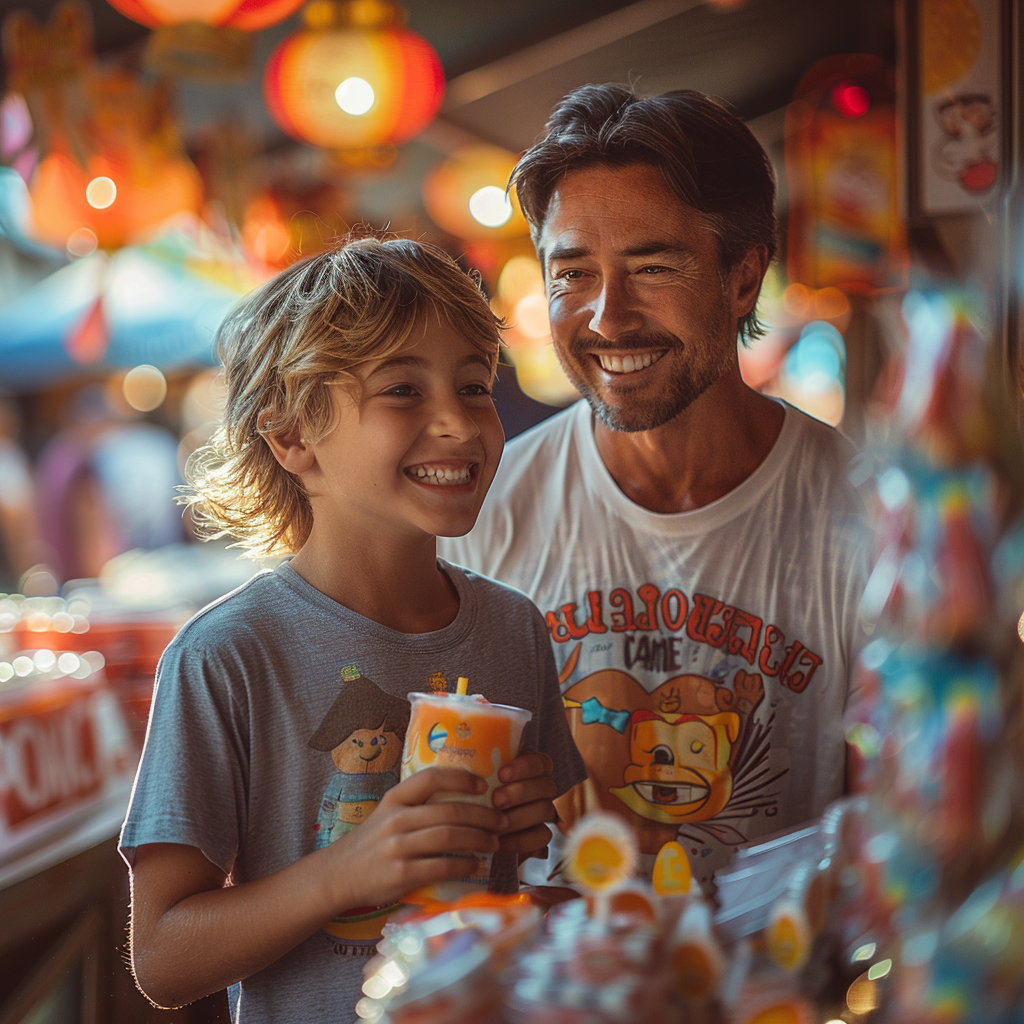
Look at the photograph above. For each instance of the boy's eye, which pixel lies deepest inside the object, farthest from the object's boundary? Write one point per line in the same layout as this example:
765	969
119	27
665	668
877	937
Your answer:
476	390
401	391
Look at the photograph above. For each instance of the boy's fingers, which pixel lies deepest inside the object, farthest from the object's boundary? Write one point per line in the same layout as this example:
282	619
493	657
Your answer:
526	842
452	812
540	787
526	815
418	788
526	766
445	839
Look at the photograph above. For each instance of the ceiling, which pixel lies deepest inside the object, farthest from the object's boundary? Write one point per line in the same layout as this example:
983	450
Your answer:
508	63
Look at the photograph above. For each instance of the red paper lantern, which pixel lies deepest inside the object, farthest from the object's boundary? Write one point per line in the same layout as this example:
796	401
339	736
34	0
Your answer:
247	15
465	194
205	40
353	78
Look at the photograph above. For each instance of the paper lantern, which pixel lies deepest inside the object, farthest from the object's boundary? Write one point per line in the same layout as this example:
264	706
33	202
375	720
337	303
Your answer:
132	176
465	194
207	40
247	15
353	78
520	298
109	201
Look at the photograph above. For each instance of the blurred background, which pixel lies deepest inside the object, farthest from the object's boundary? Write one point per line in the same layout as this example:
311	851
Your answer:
160	158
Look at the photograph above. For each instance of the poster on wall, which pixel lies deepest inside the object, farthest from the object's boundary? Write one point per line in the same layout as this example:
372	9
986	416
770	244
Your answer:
955	106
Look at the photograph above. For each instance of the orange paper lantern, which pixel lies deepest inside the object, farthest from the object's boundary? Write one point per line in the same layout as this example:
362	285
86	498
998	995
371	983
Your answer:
206	40
465	194
247	15
353	78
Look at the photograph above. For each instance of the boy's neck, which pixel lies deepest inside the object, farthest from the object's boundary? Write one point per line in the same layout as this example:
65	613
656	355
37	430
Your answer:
399	587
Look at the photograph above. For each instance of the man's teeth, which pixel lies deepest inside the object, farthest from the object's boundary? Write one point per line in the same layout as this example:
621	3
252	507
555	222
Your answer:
628	364
442	475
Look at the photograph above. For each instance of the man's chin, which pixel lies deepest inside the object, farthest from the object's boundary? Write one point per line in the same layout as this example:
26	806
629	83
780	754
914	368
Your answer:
632	419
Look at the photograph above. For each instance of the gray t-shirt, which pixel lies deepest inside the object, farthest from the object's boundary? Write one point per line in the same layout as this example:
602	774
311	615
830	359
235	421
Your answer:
277	725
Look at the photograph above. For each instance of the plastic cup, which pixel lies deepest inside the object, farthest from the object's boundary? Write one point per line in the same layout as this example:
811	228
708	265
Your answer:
451	730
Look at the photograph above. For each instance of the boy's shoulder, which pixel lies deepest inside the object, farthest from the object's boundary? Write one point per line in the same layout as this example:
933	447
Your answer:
494	597
253	609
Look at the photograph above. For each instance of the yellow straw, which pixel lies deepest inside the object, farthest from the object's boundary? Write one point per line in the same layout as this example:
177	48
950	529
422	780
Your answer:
462	686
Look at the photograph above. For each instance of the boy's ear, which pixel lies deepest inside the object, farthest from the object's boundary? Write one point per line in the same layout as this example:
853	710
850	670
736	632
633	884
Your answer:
294	454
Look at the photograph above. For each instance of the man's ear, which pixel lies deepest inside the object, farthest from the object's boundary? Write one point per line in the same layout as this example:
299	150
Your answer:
294	454
746	278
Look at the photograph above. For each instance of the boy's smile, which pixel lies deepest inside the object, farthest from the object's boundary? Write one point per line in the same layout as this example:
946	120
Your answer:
414	450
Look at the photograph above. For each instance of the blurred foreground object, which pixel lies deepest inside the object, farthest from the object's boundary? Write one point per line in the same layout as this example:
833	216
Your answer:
938	720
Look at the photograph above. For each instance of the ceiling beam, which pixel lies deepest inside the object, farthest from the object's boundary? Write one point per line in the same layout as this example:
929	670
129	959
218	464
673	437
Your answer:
560	49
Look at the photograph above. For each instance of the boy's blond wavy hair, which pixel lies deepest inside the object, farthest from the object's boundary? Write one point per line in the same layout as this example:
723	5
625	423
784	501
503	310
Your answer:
285	345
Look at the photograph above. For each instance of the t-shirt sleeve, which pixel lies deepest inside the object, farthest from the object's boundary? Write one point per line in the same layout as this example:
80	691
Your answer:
190	786
554	737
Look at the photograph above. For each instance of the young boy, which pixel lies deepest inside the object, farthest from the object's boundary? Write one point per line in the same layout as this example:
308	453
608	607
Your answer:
268	836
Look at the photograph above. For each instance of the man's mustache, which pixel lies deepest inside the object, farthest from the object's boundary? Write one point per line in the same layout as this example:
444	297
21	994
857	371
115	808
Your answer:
635	341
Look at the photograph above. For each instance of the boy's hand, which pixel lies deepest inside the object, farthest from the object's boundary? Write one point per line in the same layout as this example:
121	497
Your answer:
526	796
404	843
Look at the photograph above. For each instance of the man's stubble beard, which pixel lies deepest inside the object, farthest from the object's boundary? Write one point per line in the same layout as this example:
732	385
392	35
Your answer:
683	389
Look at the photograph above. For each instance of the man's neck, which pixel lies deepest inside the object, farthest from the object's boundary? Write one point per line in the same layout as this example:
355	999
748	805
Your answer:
710	448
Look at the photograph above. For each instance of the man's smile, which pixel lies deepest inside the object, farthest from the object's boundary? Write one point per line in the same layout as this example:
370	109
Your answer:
441	474
629	362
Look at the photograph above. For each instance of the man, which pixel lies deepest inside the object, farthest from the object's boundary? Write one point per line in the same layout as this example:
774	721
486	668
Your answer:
695	546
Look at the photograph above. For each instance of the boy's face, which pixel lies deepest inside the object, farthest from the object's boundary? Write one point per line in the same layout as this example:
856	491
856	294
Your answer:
416	451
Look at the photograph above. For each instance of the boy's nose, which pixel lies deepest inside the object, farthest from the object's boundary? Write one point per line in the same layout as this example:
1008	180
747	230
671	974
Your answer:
451	419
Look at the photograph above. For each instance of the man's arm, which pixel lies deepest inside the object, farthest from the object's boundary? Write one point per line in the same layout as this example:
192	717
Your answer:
191	934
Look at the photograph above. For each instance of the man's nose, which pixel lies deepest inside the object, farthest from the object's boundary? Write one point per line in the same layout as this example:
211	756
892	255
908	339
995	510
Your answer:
614	312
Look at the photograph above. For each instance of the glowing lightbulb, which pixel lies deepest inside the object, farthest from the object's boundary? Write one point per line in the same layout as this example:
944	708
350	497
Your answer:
354	96
490	206
100	193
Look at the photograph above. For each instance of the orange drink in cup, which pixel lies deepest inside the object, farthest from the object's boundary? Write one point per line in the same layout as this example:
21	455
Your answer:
456	730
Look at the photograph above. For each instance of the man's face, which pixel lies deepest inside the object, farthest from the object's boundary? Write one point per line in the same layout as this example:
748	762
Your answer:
641	320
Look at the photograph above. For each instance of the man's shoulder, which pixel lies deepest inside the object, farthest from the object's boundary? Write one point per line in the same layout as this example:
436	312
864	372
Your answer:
535	448
820	452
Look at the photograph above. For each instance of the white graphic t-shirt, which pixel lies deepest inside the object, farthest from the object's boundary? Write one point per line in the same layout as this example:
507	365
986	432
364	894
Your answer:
704	656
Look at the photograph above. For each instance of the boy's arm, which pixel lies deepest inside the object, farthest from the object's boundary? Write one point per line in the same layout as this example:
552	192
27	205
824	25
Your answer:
192	934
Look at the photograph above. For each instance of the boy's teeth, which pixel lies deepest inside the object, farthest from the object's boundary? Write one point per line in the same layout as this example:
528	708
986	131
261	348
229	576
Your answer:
628	363
443	475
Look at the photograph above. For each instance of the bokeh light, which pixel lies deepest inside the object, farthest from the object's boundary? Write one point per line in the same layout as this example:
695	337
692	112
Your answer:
355	96
144	387
82	242
850	99
101	192
863	995
490	206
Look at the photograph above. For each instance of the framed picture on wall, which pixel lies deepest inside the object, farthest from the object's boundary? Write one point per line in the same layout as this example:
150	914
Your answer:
956	105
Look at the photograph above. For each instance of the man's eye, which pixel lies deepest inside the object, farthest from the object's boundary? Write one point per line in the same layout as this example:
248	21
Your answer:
654	270
569	275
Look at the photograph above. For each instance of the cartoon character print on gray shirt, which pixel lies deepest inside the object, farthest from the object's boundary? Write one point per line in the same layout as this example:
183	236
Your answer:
363	731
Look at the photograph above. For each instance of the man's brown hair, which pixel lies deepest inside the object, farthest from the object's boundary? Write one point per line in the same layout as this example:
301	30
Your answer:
708	157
